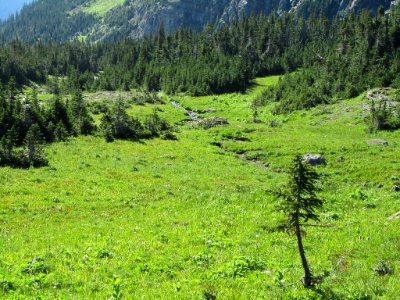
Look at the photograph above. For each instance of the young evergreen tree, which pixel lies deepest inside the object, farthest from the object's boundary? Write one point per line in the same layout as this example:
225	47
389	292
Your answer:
116	123
33	154
7	145
299	203
60	133
82	122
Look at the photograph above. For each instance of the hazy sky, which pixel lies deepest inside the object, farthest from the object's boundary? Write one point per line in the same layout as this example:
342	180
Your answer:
7	7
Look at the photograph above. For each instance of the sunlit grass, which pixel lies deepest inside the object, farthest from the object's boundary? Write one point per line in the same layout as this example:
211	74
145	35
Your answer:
101	7
171	218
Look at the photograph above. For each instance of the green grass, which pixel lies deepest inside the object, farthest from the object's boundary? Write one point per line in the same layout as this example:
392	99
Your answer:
176	219
262	82
101	7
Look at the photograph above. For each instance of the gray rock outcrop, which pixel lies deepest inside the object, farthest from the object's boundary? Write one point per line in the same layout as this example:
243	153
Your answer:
377	142
314	159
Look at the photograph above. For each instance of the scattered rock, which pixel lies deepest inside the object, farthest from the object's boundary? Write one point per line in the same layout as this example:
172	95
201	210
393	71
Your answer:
377	142
395	216
314	159
396	188
190	113
208	110
378	95
193	115
211	122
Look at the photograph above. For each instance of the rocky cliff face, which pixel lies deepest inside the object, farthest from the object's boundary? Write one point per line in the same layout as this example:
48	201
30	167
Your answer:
136	18
357	5
145	17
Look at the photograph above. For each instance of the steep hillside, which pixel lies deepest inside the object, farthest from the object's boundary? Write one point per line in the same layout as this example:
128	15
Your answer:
109	20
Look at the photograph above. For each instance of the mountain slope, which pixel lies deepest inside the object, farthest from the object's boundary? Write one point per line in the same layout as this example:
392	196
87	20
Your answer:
111	20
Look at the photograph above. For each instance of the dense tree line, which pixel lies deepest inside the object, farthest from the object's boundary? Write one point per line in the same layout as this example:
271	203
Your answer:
27	123
365	53
212	61
337	58
64	20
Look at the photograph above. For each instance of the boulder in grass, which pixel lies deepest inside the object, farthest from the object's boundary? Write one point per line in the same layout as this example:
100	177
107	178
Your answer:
314	159
208	110
211	122
377	142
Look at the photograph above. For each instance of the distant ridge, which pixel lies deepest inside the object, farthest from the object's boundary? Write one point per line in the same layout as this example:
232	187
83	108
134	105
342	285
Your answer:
95	20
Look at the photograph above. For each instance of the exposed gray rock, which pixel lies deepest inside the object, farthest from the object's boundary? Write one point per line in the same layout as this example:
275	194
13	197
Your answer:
377	95
211	122
208	110
314	159
137	18
190	113
377	142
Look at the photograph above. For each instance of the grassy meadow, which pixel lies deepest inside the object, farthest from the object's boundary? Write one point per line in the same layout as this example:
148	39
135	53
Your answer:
101	7
190	219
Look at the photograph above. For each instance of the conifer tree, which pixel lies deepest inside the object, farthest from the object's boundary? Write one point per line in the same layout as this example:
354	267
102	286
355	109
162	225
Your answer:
34	155
82	122
299	203
7	145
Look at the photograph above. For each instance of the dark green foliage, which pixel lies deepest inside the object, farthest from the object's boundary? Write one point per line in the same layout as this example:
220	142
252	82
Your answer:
30	156
58	112
61	26
383	268
383	116
299	203
8	155
33	154
36	266
212	61
335	59
24	121
169	135
362	52
116	123
82	122
155	125
339	59
299	200
60	133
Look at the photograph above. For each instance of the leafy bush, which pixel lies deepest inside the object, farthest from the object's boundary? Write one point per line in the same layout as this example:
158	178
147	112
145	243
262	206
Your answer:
118	124
6	286
240	266
383	267
36	266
